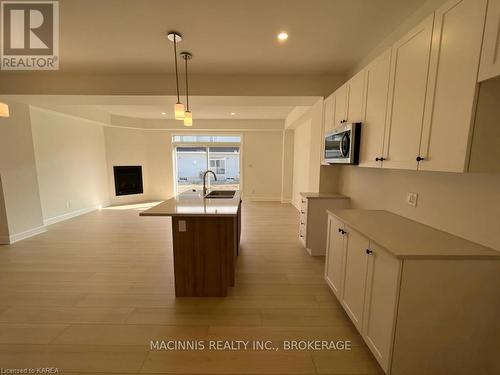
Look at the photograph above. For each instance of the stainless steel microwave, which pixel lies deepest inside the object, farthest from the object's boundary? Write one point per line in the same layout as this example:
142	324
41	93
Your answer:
342	145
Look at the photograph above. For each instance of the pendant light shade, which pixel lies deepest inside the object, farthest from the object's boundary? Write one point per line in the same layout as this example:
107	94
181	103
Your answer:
179	111
175	38
4	110
188	116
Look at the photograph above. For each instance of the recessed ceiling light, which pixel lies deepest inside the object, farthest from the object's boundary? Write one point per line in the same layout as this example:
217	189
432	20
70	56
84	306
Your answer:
233	114
164	113
282	36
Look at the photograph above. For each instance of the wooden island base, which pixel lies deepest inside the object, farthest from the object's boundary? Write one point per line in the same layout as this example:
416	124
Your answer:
204	255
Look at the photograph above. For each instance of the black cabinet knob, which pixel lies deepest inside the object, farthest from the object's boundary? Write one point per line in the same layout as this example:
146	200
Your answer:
419	158
340	230
369	252
380	159
377	159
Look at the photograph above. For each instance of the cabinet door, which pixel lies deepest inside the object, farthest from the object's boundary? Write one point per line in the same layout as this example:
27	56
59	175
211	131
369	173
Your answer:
340	105
334	264
456	49
375	111
490	57
356	261
355	97
409	72
328	113
382	289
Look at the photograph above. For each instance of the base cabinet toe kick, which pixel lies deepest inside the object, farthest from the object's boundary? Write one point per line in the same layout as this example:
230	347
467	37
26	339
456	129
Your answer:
424	301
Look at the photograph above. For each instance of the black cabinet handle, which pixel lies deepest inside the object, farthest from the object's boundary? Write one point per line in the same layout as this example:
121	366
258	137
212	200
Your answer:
380	159
369	252
342	231
419	158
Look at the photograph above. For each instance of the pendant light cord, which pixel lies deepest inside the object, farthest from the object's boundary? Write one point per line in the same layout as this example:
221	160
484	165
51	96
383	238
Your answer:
187	87
176	71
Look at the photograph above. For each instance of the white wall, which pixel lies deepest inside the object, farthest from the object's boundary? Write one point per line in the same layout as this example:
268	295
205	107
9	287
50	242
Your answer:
467	205
308	174
126	147
287	166
70	158
262	165
301	161
160	164
18	174
261	158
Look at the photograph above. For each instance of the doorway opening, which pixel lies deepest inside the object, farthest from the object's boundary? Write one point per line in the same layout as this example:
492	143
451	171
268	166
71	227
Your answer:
195	154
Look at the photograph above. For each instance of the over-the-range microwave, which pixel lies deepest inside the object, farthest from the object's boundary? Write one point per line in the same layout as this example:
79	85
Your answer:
342	145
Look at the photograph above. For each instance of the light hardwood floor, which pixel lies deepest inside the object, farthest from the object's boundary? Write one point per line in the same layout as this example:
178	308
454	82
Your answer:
90	294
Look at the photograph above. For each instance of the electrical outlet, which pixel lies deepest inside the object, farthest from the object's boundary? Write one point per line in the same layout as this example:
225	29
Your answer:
411	199
182	225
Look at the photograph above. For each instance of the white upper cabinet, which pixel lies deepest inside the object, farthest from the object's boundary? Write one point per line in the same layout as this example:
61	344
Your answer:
329	113
408	84
449	109
375	111
340	105
356	87
490	57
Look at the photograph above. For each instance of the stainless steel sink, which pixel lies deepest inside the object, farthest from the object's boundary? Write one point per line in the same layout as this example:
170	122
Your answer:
221	194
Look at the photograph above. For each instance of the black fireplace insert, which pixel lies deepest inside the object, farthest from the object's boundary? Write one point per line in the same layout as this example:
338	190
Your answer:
128	180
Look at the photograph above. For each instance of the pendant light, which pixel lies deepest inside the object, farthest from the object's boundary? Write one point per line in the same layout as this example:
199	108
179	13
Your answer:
4	110
188	116
175	38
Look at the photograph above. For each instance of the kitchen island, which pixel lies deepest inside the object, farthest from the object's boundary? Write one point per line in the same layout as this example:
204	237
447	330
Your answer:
206	235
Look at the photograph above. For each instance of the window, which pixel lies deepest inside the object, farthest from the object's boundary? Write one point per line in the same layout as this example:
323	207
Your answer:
197	153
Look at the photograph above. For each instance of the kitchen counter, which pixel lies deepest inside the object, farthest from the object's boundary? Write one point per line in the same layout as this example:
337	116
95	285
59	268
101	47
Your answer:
405	238
322	195
205	239
193	204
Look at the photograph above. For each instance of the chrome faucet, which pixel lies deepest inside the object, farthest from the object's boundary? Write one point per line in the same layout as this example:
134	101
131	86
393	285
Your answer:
205	181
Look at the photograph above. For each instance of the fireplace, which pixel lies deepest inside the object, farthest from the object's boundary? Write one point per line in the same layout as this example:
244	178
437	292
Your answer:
128	180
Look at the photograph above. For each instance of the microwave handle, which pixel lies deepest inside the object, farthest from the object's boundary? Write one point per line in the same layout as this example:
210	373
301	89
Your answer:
341	145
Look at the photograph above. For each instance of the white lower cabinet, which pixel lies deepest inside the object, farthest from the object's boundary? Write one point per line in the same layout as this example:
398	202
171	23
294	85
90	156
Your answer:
356	260
365	279
416	301
382	288
334	263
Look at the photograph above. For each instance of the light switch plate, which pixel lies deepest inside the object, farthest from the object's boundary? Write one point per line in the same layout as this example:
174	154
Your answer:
182	225
411	199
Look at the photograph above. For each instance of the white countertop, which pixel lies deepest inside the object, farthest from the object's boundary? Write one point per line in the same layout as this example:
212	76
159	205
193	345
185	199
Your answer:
405	238
193	204
322	195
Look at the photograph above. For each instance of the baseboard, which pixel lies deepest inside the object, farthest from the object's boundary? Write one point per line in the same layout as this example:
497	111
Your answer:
69	215
26	234
286	201
262	199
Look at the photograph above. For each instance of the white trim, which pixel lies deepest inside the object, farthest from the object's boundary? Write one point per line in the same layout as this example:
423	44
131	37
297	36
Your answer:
26	234
69	215
286	201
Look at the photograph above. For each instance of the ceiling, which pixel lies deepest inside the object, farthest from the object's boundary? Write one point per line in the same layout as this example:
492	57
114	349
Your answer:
225	36
153	107
201	111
